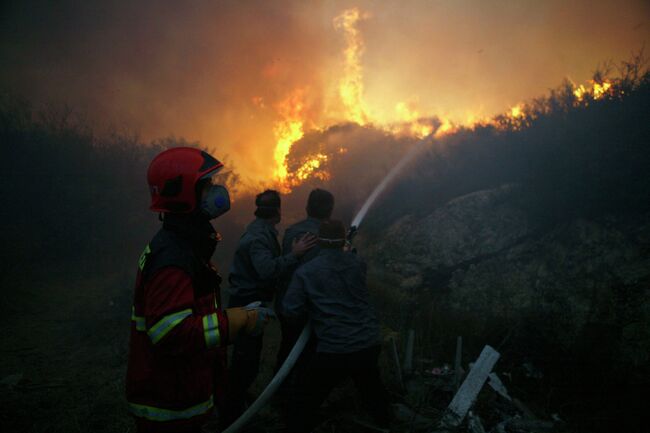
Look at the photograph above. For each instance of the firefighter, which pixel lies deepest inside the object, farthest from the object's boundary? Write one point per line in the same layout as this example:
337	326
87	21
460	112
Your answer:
331	291
176	365
254	274
320	205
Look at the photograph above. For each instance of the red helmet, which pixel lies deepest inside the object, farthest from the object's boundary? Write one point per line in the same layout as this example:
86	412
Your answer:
173	175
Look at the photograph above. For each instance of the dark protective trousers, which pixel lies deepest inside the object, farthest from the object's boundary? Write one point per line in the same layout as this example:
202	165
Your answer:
290	334
244	366
323	371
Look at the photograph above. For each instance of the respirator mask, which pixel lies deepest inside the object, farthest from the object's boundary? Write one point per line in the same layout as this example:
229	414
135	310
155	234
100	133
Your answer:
215	201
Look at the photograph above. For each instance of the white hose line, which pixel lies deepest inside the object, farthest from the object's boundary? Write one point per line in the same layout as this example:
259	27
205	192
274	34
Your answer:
277	380
386	180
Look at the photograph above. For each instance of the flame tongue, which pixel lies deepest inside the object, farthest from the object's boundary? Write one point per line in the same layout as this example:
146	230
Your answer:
351	85
597	91
287	131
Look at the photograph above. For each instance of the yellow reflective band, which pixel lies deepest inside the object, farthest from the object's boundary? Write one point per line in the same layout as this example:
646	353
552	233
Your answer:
211	330
158	414
139	321
143	257
166	324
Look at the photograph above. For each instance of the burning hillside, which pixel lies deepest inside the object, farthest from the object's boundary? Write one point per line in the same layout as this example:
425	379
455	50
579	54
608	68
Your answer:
316	156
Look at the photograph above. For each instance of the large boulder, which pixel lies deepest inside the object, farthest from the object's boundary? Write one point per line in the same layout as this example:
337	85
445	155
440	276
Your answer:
466	229
479	262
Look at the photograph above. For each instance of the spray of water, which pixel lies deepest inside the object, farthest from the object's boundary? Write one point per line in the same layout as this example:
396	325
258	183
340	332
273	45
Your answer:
384	183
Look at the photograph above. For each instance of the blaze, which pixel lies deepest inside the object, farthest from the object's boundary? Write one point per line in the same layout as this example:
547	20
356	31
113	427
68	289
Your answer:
597	90
308	168
406	120
516	111
445	128
601	89
417	126
287	131
351	85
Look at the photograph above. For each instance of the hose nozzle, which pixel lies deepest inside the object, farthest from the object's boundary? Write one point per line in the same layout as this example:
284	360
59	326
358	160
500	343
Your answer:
352	232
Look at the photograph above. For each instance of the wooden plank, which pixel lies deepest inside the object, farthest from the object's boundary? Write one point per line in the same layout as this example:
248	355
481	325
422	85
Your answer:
466	395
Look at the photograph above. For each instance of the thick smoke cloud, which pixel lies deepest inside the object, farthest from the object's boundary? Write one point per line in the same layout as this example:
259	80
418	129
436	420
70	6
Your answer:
215	71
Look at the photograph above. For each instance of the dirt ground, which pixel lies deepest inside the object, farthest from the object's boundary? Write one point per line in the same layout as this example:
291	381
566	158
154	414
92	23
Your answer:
64	344
64	351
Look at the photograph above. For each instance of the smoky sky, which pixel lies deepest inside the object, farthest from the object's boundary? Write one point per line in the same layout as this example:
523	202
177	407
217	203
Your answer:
216	71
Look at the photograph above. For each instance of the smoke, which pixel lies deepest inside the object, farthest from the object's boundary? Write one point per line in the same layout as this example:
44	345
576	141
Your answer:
214	71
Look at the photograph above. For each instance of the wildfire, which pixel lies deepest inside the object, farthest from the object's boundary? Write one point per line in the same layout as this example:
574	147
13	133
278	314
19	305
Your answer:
287	131
597	90
408	119
351	85
445	128
415	124
308	168
516	111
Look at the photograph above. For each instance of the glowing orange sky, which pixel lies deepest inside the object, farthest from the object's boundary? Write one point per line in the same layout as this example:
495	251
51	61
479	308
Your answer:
216	71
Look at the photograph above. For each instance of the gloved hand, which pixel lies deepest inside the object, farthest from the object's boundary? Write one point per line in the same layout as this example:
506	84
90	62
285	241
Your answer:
263	316
250	319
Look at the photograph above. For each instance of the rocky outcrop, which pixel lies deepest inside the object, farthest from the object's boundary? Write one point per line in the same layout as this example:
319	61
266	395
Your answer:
478	257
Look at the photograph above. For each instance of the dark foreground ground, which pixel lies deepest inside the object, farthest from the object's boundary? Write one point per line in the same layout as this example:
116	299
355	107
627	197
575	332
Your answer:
64	349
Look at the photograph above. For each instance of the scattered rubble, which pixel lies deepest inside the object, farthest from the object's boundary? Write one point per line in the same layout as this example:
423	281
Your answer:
442	399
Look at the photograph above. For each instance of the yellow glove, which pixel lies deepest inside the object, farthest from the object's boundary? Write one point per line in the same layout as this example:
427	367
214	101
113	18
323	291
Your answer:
250	319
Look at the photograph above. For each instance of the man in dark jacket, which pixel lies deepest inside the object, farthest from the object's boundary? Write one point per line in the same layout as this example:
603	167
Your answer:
320	205
254	274
331	291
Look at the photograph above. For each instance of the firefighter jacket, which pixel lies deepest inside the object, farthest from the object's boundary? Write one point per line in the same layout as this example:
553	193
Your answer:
258	264
176	365
331	291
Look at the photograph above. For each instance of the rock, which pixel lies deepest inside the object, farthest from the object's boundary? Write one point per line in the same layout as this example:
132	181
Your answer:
477	261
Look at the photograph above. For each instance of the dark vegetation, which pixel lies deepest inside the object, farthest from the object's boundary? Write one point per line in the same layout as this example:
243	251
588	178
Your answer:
74	221
573	158
70	197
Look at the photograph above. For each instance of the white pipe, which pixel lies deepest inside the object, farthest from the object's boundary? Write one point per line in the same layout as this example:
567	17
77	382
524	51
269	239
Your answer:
275	383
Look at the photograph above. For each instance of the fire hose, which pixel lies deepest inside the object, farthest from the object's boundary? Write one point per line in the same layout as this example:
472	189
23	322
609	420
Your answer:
288	364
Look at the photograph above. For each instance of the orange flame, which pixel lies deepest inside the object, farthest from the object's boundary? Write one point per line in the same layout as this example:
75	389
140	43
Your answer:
445	128
307	169
597	90
416	126
517	111
351	85
287	131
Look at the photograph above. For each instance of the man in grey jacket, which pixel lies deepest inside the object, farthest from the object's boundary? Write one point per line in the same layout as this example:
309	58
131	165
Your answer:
254	274
320	205
331	291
